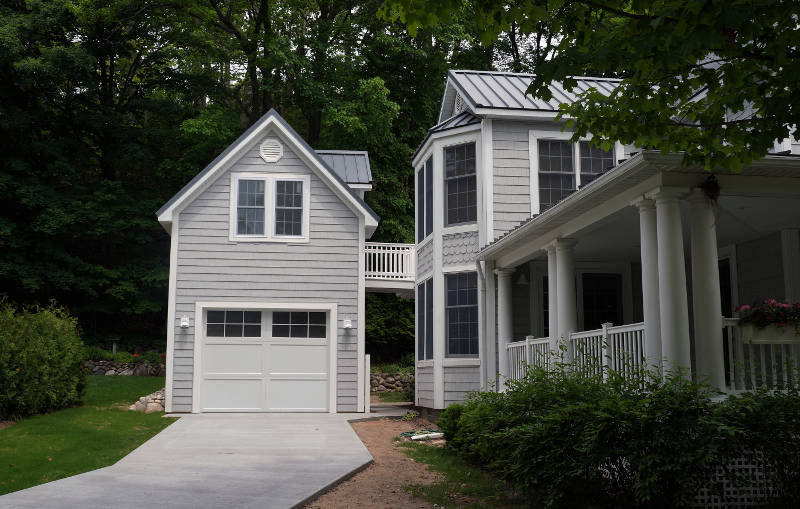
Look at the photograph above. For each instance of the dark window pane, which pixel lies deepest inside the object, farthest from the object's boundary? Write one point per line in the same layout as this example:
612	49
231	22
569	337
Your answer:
252	331
299	331
281	317
234	316
215	330
460	184
252	317
429	196
233	330
421	321
316	331
462	314
280	331
429	319
316	318
421	205
216	316
299	317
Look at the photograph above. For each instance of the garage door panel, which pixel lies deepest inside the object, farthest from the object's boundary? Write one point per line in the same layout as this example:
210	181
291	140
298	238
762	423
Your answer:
298	395
233	395
228	358
297	358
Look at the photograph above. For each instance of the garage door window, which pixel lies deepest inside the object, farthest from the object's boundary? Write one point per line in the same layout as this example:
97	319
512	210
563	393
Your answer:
233	324
298	324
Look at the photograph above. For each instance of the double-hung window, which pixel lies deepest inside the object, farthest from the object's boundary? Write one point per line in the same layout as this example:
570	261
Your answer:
425	200
461	192
563	169
269	207
461	313
425	320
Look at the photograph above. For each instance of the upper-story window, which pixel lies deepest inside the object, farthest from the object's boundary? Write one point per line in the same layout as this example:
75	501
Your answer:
425	200
269	208
461	192
562	171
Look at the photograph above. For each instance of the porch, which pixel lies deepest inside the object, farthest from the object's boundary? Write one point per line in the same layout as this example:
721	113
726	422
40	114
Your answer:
644	268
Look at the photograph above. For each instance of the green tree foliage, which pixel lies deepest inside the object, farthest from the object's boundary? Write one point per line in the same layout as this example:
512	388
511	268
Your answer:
108	108
712	78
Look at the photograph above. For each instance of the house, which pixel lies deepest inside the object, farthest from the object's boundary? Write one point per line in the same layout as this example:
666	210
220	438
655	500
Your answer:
527	242
269	266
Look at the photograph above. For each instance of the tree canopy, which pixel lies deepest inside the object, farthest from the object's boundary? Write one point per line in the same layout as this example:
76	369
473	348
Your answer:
712	78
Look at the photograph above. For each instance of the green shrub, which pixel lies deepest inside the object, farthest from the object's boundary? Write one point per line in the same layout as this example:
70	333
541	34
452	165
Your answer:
41	361
151	356
124	357
95	353
570	441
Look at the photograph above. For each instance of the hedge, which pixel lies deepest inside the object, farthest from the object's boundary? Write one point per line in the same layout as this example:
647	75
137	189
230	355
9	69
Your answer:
41	357
565	440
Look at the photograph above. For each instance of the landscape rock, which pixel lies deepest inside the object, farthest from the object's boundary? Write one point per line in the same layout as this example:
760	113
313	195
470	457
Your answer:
391	382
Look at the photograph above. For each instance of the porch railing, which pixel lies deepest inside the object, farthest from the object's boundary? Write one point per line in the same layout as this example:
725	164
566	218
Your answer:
619	348
753	365
389	261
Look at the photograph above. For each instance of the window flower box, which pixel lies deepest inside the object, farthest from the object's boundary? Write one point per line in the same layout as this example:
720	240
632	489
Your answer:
771	322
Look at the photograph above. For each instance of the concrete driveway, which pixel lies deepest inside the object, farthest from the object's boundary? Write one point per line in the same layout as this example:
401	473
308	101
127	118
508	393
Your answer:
216	460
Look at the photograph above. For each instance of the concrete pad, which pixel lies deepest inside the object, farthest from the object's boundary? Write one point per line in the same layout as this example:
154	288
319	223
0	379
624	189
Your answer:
216	460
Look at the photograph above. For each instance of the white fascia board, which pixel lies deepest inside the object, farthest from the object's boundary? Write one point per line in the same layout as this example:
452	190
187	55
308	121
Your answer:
517	114
370	223
425	149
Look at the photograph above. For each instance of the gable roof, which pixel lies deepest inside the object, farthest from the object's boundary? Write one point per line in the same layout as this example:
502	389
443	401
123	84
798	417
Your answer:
507	91
352	166
300	147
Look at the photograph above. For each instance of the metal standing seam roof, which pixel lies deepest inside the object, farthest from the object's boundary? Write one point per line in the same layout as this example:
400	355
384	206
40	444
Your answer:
503	90
352	166
462	119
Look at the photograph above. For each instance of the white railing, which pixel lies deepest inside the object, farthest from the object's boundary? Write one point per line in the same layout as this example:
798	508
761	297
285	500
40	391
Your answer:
753	365
389	261
593	353
532	351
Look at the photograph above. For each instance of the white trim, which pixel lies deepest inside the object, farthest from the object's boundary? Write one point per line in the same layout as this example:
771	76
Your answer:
311	160
422	277
460	228
487	153
270	202
439	135
274	144
365	187
171	317
453	362
199	335
424	242
518	114
438	278
464	267
427	363
360	338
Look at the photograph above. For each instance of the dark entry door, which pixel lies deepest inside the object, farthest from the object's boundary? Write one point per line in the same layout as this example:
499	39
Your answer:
602	300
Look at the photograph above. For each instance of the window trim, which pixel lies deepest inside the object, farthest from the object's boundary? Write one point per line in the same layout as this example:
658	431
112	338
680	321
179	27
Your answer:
269	204
424	213
446	179
449	355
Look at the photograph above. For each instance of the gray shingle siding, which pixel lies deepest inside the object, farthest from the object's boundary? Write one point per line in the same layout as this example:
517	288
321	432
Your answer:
212	268
424	259
424	384
460	381
460	248
511	180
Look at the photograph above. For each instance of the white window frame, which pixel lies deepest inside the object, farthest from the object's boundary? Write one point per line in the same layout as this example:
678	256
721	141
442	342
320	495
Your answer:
450	144
533	155
270	201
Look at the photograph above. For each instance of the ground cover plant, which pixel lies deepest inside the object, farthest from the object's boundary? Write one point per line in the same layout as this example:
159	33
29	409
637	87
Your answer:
97	433
566	440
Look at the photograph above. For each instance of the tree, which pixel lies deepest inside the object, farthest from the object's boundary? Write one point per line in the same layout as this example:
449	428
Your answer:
712	78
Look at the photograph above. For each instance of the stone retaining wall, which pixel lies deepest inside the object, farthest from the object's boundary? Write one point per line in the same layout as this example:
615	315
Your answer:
391	382
125	368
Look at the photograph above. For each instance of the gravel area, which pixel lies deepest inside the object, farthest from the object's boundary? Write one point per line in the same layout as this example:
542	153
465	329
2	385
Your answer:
382	484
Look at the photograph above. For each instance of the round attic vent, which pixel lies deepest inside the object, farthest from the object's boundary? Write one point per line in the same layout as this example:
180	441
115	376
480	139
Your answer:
271	150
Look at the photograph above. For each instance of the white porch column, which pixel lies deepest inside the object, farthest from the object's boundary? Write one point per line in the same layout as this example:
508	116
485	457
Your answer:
672	299
505	324
706	300
565	291
648	240
552	299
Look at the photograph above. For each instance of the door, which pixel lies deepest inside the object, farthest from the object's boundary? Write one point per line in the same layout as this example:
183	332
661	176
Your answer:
264	361
602	300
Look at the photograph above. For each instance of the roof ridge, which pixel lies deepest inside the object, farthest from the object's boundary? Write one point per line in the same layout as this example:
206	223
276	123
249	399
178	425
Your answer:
528	74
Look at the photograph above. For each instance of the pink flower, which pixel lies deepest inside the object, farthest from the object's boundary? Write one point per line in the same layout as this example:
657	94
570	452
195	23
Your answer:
744	307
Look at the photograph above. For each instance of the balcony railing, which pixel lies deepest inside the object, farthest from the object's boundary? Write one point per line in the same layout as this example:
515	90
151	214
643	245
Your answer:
752	365
390	261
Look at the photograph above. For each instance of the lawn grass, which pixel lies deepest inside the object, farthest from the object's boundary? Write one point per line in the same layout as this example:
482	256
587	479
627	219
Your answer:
393	397
463	485
98	433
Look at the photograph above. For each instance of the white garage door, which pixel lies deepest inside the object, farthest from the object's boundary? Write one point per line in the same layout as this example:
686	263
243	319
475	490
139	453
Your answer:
265	361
